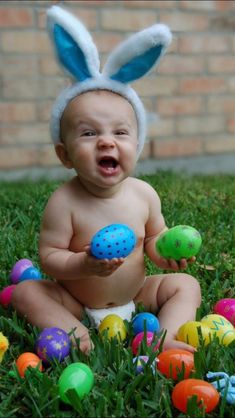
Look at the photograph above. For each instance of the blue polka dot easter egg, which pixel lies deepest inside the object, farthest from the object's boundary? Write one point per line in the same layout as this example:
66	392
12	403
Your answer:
113	241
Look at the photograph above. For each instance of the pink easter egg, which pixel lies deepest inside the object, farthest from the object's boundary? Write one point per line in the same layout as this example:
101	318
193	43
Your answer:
18	269
140	337
226	308
5	295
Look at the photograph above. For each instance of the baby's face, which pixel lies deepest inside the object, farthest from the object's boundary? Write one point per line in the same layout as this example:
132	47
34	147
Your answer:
99	136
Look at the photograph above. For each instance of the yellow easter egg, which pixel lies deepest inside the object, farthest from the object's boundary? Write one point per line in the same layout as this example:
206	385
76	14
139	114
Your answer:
114	327
189	333
220	327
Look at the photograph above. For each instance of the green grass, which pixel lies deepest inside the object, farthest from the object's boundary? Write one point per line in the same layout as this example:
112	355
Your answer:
207	203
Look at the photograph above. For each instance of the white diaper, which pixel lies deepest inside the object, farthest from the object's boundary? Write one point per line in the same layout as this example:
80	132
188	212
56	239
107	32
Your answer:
97	315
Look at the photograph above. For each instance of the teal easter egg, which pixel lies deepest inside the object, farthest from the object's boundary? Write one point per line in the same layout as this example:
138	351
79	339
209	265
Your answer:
181	241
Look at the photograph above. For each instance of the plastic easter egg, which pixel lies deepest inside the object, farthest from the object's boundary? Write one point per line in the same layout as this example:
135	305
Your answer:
141	337
174	361
5	295
226	308
115	240
113	326
181	241
139	364
206	394
18	269
145	321
26	360
190	331
52	343
4	344
31	273
220	327
77	376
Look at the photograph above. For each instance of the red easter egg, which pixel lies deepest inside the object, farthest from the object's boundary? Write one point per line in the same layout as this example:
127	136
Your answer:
140	337
172	362
206	394
5	295
226	308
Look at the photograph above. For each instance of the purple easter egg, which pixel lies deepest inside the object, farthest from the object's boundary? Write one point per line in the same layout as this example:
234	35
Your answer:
52	343
18	269
31	273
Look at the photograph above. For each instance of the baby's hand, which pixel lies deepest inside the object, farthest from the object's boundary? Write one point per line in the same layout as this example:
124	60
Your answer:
170	264
101	267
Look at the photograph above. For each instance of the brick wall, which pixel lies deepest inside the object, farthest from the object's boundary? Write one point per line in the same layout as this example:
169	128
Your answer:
193	91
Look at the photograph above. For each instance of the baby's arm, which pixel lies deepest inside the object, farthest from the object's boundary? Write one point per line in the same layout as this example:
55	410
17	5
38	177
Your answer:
57	259
155	227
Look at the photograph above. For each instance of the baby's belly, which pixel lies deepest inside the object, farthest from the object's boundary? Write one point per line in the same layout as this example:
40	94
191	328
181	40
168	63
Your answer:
117	289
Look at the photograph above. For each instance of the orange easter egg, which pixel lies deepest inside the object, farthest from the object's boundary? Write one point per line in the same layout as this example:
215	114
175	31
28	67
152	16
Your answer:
27	359
175	361
206	394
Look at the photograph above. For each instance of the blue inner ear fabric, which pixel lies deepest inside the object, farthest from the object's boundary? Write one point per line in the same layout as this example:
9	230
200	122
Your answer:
70	54
138	66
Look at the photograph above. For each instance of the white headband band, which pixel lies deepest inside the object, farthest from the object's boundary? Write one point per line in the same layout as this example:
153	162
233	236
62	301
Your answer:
78	55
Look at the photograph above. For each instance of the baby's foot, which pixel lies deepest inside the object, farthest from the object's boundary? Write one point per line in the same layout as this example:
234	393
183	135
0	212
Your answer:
85	343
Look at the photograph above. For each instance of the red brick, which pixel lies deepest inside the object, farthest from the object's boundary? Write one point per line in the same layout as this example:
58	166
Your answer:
18	65
201	5
152	86
49	66
27	88
28	42
87	16
18	157
178	64
221	144
161	127
47	156
146	153
221	104
157	4
179	106
180	21
44	110
15	18
222	65
195	125
24	134
17	112
202	85
106	42
128	21
198	44
176	147
231	125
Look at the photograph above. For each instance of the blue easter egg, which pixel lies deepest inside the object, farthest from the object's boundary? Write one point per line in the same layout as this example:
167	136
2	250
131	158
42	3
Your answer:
31	273
145	321
115	240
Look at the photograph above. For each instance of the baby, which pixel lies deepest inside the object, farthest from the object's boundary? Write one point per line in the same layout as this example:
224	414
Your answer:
98	134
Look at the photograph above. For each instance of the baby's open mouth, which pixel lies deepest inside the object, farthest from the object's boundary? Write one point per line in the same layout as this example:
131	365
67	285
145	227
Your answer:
108	162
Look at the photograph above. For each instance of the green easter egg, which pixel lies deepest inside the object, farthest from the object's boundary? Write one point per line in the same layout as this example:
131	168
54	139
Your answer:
181	241
77	376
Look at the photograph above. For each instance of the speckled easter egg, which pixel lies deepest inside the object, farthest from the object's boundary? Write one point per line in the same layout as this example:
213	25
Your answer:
226	308
181	241
18	269
115	240
220	327
52	343
140	361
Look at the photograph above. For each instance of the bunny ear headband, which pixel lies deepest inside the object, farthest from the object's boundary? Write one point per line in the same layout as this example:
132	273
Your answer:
77	53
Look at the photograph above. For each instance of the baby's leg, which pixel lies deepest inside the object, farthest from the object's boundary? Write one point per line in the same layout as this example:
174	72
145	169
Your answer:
47	304
176	298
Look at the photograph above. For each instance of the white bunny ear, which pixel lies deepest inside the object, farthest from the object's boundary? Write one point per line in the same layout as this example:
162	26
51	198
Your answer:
75	49
137	55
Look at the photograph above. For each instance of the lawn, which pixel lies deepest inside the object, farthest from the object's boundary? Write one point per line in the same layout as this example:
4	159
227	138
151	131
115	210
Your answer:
207	203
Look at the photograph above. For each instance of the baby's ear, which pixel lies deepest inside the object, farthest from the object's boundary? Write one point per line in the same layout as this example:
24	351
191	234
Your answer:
138	54
63	156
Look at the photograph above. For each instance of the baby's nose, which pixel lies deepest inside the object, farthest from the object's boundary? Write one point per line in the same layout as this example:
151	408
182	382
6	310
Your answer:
105	141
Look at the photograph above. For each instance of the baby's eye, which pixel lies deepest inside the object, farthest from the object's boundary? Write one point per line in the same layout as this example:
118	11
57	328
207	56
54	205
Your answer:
121	132
88	133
